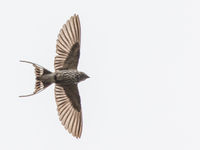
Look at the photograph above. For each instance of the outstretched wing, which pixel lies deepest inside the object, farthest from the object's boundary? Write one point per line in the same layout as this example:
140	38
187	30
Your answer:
69	108
68	45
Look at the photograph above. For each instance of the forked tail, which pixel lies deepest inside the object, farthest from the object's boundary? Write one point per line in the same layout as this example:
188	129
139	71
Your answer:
39	73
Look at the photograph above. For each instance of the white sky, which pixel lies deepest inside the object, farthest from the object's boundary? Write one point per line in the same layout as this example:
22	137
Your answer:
144	61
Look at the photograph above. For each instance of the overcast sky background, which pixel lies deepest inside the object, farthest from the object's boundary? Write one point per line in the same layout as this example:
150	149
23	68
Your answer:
144	61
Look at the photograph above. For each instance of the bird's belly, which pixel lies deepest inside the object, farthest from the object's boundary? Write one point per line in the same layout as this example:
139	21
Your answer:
66	77
68	81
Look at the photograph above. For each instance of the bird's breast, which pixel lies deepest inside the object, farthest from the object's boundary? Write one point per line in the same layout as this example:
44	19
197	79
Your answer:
66	77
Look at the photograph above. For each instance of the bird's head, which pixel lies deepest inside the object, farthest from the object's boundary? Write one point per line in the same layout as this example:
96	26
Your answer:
83	76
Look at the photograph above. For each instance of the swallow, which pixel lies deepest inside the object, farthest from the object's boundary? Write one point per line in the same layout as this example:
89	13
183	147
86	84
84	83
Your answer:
66	77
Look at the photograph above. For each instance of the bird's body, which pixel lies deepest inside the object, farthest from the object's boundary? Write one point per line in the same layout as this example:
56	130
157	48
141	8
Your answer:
66	76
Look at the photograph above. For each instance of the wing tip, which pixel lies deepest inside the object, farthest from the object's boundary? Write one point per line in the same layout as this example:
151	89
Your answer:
75	16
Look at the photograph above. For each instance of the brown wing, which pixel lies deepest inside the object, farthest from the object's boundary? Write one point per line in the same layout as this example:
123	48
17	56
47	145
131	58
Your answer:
68	45
69	108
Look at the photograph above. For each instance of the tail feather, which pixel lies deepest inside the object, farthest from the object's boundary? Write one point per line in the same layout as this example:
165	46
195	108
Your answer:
39	72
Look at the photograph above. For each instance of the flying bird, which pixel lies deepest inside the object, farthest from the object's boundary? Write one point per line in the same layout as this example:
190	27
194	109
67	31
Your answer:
66	76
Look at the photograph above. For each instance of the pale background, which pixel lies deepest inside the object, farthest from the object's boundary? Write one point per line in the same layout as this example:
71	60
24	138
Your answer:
144	61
